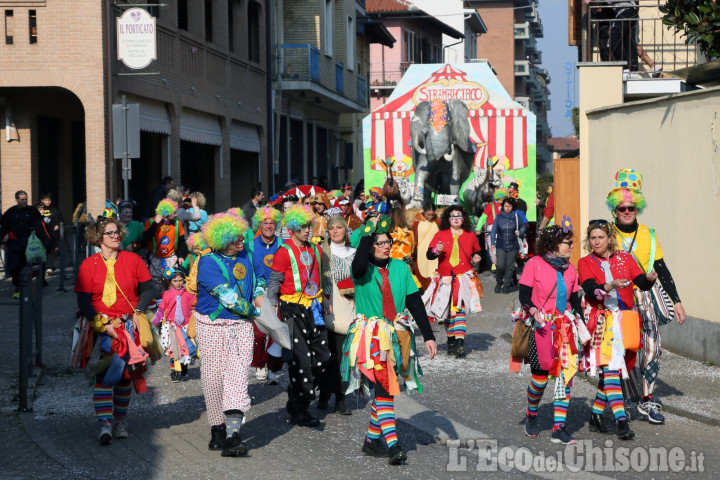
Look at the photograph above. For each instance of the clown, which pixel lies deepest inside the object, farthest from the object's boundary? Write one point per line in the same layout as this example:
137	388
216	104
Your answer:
165	238
263	246
229	295
625	202
376	203
295	289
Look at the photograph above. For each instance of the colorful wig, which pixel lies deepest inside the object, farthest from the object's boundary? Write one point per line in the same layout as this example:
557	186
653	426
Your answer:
222	229
196	242
237	211
297	216
500	193
265	213
166	207
376	190
619	196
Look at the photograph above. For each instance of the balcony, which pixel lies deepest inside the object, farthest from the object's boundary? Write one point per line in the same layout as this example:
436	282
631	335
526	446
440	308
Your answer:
521	31
307	74
522	68
524	101
643	42
388	75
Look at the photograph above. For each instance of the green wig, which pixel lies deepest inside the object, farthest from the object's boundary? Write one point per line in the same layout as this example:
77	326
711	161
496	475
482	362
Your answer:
166	207
265	213
297	216
619	196
222	229
196	241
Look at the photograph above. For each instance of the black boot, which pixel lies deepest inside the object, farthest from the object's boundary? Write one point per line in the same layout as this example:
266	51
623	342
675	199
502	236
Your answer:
597	424
304	419
217	437
623	430
374	447
460	348
451	346
396	454
234	446
323	401
340	407
498	286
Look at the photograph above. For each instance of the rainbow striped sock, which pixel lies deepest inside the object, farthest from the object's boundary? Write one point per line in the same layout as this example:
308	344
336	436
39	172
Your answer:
535	392
561	408
103	402
449	322
460	324
386	417
121	397
374	427
600	399
613	392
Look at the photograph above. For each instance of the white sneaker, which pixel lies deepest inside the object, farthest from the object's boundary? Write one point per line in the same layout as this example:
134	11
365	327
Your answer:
261	374
272	379
119	428
105	436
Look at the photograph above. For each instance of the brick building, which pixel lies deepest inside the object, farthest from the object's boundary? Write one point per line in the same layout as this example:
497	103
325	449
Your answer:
511	48
203	114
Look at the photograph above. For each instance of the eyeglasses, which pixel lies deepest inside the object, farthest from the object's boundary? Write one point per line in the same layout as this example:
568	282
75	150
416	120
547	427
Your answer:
456	216
112	233
384	243
630	208
599	222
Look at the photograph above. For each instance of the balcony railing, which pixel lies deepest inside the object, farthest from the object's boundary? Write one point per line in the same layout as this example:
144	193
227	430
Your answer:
388	74
636	36
301	62
362	90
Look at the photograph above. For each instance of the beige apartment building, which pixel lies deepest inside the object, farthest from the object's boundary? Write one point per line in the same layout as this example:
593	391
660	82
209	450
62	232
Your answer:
203	114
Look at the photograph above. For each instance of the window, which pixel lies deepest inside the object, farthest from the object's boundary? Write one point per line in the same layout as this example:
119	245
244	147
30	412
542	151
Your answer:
409	49
329	19
231	25
254	32
350	43
9	27
208	21
32	24
182	11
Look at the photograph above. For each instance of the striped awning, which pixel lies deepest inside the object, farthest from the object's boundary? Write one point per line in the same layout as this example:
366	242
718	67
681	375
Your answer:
200	127
244	136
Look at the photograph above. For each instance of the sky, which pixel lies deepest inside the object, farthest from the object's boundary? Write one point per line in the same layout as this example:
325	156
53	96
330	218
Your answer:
559	59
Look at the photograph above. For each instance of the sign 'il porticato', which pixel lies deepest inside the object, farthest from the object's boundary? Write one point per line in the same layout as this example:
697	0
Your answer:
136	42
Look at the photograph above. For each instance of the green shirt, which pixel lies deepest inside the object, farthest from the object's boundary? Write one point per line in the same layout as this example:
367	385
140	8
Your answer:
134	233
368	298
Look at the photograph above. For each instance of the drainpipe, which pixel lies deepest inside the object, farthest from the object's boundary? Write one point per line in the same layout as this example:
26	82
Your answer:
451	45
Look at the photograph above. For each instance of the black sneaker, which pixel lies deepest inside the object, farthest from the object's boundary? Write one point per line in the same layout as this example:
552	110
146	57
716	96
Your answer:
304	419
396	454
374	447
450	346
531	426
234	446
460	351
341	408
597	424
623	430
174	376
217	437
559	435
498	286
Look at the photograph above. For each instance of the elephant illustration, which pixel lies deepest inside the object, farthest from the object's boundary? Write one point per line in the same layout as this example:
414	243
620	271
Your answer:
440	133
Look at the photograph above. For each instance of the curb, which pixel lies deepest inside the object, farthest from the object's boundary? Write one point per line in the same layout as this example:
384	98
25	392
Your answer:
668	407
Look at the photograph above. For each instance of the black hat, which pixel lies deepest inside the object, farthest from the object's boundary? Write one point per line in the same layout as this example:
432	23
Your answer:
45	195
514	185
125	204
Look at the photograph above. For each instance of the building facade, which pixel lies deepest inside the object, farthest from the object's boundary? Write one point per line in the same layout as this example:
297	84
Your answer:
511	48
203	114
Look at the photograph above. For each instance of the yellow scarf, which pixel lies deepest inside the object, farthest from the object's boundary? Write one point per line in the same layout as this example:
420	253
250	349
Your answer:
109	296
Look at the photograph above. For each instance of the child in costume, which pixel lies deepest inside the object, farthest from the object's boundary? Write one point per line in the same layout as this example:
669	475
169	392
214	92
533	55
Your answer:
174	313
165	238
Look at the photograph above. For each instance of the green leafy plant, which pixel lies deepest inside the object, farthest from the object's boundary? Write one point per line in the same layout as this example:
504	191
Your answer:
699	20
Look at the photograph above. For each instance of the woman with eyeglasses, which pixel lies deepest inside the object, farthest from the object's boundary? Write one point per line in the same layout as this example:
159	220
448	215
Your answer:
508	227
549	297
114	287
626	201
452	292
340	302
380	346
607	276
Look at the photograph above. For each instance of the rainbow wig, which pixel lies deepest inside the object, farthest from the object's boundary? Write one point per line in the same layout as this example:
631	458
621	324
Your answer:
166	207
222	229
619	196
237	211
265	213
196	242
500	193
297	216
376	190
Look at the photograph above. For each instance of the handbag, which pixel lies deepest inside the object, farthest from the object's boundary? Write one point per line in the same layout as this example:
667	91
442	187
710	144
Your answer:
83	343
630	326
522	241
521	333
346	287
35	250
663	306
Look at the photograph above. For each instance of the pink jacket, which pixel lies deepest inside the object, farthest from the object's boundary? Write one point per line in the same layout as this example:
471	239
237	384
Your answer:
166	310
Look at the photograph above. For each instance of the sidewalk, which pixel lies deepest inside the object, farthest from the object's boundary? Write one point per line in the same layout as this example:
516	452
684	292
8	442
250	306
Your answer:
169	431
